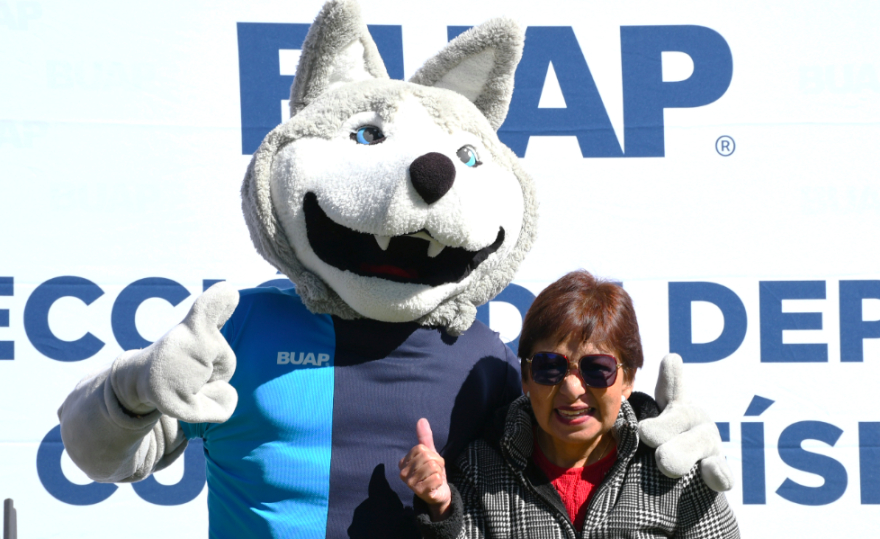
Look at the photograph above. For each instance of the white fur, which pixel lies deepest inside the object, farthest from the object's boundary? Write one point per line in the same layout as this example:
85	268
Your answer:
684	434
459	97
367	189
469	77
348	66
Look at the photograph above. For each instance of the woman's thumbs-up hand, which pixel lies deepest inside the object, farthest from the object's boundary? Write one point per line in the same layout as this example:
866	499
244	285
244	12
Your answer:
424	472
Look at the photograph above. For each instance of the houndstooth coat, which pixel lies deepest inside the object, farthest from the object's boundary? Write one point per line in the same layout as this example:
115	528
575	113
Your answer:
498	492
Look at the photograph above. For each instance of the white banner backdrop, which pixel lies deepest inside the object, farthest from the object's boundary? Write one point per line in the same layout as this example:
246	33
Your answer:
735	197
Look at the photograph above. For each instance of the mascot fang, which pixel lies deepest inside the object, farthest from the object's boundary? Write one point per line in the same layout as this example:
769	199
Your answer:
395	210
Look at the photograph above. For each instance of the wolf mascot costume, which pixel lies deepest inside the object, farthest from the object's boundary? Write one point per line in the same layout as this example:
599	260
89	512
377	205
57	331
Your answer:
395	210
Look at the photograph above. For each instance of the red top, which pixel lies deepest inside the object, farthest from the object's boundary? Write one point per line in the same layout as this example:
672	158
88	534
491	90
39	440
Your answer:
575	486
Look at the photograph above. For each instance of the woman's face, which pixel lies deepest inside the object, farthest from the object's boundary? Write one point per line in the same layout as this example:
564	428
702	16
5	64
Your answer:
575	417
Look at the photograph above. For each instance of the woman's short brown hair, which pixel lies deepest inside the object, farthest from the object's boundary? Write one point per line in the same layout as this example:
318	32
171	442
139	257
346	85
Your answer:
579	306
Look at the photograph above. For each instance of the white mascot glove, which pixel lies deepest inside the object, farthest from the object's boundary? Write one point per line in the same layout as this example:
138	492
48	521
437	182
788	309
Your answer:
185	374
683	433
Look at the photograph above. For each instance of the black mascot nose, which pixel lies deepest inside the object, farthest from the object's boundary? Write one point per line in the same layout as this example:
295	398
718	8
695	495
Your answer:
432	175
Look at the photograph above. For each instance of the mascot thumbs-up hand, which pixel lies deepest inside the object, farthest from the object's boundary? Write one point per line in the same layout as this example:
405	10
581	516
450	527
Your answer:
185	374
138	400
683	434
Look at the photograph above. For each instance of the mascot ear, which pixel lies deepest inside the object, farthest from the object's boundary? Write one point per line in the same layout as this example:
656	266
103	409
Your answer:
338	49
480	65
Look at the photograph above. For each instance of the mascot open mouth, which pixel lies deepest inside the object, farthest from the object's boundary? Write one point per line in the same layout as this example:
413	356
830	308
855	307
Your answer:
412	258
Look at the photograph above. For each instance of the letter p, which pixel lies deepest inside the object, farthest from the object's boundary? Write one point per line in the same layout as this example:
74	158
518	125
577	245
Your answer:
645	94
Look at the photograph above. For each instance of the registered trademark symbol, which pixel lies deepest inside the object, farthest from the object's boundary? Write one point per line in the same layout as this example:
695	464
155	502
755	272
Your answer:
725	145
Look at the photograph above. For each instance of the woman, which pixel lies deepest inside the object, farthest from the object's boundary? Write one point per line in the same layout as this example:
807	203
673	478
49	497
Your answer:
564	460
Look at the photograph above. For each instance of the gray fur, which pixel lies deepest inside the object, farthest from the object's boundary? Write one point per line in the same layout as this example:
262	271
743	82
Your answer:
322	119
109	445
505	38
318	112
337	25
269	237
121	424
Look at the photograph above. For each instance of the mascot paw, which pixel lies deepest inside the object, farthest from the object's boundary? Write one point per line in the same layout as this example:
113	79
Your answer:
716	473
185	374
683	433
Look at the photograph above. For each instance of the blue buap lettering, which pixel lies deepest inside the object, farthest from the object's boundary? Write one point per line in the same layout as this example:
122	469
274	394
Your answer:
681	296
19	15
36	318
753	471
122	319
129	300
772	321
853	329
645	94
62	489
7	348
263	87
514	294
792	453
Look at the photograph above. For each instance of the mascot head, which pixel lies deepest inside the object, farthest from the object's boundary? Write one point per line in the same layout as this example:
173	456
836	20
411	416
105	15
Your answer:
394	200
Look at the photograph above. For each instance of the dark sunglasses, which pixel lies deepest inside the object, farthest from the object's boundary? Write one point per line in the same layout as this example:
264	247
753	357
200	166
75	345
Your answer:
597	370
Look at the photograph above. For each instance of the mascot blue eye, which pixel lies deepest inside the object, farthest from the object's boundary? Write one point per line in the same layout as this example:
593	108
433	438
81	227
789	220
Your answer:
468	156
368	134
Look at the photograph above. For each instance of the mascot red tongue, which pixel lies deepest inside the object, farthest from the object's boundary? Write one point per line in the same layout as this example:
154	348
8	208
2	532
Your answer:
395	210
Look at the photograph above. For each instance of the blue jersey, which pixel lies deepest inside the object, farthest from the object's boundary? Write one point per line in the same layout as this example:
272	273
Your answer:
326	409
